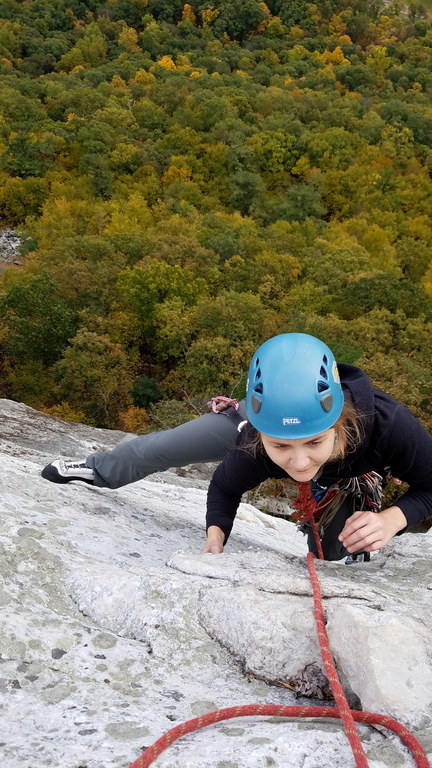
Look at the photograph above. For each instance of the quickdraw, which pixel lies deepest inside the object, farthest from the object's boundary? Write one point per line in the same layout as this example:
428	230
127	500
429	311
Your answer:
220	404
229	408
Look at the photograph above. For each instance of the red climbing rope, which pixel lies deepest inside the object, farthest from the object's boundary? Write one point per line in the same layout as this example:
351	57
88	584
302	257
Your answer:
307	504
272	710
341	711
337	690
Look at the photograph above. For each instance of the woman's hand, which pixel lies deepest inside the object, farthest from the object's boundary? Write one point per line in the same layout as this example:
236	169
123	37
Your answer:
215	541
369	531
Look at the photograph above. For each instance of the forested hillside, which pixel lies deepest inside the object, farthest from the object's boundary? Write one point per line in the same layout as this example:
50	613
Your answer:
189	179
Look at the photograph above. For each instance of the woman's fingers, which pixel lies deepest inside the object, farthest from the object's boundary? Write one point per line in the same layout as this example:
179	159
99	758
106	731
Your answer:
365	530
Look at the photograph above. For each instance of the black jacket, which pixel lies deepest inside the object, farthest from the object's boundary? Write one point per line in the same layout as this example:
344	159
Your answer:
393	438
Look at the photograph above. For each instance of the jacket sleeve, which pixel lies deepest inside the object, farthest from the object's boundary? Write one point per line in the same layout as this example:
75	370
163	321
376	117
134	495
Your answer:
240	471
409	454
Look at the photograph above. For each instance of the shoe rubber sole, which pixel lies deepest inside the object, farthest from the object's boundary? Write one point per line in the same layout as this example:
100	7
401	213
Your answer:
53	475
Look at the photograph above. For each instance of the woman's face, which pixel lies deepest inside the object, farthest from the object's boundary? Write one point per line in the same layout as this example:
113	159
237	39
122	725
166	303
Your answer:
301	459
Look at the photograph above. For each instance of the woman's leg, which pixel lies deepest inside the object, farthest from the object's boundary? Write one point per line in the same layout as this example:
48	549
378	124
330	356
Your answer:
206	438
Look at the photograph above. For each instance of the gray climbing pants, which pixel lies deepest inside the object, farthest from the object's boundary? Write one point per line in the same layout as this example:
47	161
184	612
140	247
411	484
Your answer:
207	438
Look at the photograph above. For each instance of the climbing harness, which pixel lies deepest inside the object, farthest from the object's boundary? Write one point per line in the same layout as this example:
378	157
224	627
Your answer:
365	492
340	711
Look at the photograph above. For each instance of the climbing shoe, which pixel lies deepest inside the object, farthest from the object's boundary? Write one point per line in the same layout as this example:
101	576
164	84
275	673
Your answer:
60	471
357	557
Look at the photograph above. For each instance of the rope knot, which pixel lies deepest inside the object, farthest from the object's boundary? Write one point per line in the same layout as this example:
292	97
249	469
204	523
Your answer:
304	504
307	510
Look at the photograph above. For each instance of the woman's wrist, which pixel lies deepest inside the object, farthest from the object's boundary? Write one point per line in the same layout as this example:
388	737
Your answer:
214	541
395	518
215	535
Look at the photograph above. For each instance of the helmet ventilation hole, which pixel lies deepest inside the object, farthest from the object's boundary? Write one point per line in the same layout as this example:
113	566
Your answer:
322	386
323	372
325	360
258	388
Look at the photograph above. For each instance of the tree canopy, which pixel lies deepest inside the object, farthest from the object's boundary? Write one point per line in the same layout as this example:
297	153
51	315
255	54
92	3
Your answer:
191	178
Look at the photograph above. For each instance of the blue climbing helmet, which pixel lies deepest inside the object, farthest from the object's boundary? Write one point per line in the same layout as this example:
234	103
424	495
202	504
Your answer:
293	388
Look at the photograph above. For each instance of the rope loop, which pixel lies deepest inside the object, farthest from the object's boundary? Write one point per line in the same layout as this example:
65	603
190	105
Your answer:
341	711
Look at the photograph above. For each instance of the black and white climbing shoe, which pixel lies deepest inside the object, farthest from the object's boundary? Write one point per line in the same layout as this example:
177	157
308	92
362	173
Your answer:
65	471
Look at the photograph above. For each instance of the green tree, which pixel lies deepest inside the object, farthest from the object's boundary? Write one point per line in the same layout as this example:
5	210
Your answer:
22	157
145	390
151	117
237	18
166	10
237	317
20	198
173	328
402	378
95	376
292	13
276	151
37	321
300	202
28	382
142	292
175	242
229	234
89	51
11	35
130	11
245	189
85	268
332	147
382	290
269	274
211	367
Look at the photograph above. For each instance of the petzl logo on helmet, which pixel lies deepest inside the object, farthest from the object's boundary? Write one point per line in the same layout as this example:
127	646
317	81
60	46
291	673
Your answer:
290	420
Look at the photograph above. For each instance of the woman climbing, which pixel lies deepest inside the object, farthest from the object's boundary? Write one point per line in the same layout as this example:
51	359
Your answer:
333	430
308	420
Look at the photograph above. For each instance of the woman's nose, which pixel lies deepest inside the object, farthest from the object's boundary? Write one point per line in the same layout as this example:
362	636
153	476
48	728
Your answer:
300	460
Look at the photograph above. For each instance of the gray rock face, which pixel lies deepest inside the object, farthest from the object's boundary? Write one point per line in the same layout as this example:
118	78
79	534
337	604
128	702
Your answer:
114	627
385	656
9	245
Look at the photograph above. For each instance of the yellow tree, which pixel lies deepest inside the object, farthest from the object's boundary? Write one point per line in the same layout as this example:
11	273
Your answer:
188	14
128	39
378	60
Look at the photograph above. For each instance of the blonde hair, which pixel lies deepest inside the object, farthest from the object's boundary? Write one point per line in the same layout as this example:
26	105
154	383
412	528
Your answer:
349	430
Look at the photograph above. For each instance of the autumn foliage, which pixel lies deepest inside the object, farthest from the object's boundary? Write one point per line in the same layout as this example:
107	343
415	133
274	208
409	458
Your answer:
191	178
